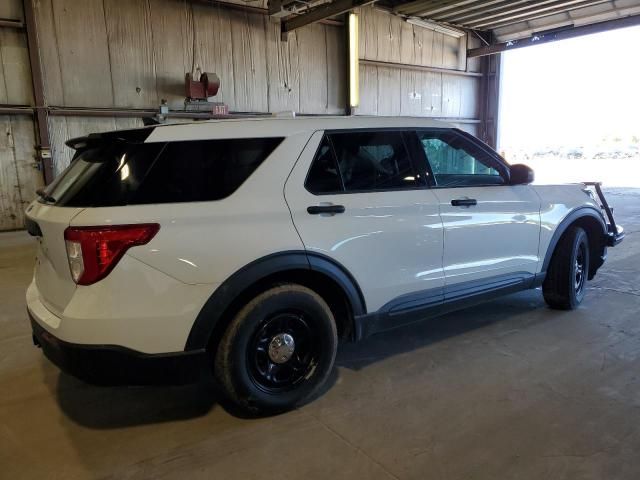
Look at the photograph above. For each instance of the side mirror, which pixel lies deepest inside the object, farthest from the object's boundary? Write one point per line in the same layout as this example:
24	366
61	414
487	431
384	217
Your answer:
520	174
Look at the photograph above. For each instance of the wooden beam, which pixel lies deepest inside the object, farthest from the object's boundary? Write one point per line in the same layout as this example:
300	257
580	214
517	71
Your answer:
322	13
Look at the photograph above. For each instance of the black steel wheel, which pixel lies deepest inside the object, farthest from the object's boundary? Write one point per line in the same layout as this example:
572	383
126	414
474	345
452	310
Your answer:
283	352
564	285
277	351
579	272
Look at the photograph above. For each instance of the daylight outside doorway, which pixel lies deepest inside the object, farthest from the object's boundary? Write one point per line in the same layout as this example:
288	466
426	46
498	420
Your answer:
571	109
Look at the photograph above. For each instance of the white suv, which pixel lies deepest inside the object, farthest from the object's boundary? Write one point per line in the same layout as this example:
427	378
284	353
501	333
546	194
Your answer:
250	248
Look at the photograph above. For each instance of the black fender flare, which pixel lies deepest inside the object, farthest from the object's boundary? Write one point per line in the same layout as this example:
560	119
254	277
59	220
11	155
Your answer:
575	214
217	304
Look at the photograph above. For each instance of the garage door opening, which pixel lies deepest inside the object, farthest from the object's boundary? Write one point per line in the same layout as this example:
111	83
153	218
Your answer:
570	109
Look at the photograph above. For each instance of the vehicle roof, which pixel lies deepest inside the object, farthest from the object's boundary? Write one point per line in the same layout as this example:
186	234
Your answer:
268	126
281	127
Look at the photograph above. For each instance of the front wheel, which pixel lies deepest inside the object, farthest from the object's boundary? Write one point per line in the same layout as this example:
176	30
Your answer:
565	283
278	350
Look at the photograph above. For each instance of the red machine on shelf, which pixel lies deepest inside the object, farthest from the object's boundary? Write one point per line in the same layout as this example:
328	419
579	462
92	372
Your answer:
198	92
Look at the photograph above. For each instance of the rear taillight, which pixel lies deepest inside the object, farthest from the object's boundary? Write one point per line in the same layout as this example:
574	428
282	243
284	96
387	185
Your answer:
94	251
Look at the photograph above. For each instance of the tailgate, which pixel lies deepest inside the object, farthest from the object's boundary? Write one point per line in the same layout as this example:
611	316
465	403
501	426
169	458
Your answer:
52	276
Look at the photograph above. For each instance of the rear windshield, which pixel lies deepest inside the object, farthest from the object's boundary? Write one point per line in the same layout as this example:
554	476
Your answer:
112	173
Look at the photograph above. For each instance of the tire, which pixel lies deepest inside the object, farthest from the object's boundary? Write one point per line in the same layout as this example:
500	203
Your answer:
261	377
565	284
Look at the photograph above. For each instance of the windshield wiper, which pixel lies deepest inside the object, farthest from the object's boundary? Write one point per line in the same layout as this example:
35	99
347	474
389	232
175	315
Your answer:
45	196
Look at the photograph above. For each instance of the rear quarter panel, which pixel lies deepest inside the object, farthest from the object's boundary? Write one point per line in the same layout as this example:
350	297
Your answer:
206	242
557	201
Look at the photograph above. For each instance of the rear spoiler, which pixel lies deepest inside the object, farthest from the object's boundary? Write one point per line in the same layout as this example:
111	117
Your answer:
134	135
615	233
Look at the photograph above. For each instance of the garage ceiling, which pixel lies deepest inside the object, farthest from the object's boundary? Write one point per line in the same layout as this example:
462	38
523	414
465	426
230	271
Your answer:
501	24
510	20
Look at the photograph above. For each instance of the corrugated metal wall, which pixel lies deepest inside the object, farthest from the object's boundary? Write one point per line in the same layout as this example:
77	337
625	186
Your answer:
134	53
131	54
392	81
18	178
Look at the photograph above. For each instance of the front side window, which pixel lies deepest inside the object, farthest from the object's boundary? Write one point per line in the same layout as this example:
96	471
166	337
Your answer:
361	161
457	162
373	161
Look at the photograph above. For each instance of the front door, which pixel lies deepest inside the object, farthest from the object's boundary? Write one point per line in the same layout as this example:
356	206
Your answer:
491	228
356	197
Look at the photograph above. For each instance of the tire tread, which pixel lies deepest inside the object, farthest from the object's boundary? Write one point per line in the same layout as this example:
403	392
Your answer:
557	287
223	361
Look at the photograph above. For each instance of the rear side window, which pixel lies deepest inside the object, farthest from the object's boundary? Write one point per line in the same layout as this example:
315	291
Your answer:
118	173
197	171
361	161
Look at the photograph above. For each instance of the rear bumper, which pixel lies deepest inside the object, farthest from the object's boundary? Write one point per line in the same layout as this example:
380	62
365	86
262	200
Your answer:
136	307
113	365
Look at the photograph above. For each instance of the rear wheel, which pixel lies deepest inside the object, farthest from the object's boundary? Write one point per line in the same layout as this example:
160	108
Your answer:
564	285
278	350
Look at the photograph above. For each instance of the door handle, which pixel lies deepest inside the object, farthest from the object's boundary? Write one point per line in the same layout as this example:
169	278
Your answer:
318	209
464	202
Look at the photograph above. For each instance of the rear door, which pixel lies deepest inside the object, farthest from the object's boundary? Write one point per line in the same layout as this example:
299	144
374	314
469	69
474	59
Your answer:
491	228
356	197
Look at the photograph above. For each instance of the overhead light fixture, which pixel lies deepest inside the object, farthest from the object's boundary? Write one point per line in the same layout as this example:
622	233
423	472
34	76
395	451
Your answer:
437	27
354	61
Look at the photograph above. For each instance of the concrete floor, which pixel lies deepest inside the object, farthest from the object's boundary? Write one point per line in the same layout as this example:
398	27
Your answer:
509	389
